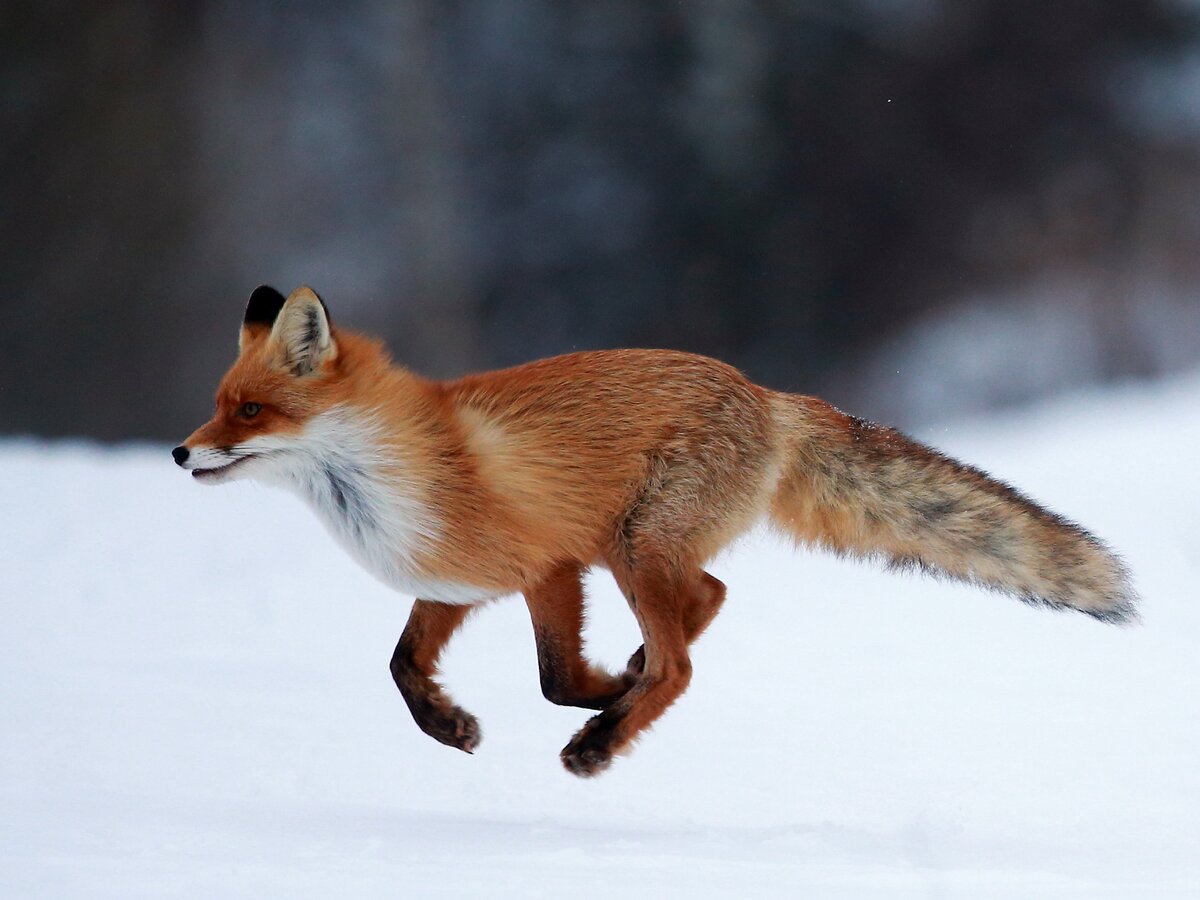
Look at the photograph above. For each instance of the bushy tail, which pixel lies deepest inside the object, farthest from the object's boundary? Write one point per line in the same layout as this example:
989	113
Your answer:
866	490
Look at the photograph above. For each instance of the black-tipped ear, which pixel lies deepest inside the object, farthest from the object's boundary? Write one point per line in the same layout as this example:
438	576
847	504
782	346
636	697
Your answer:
264	306
301	335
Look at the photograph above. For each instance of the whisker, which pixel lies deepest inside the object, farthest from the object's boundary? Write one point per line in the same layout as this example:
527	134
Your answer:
258	453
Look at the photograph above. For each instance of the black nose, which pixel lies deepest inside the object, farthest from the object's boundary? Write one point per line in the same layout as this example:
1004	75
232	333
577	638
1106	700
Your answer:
180	454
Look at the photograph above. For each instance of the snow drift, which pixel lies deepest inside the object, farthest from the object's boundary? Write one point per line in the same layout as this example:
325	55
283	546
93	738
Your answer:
192	708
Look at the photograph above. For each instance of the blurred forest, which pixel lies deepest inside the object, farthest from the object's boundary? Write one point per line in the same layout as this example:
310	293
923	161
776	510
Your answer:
915	207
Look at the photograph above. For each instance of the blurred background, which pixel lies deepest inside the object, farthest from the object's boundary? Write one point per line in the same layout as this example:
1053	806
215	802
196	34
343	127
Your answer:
917	208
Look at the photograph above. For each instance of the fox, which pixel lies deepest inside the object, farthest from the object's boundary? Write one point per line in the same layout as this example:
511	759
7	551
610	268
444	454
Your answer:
646	463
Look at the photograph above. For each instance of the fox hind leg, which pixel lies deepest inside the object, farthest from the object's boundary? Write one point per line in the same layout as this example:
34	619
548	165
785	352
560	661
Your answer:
697	616
696	498
414	665
659	597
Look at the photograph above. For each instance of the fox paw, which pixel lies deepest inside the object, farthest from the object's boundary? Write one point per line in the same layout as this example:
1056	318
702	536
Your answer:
636	665
454	727
590	752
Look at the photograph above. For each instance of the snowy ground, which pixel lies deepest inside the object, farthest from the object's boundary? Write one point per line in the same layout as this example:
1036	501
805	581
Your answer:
196	703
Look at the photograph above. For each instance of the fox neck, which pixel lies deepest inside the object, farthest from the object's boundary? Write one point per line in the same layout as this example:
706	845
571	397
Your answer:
371	499
339	476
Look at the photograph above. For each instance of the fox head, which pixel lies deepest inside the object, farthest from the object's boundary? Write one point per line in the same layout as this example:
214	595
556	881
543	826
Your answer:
288	371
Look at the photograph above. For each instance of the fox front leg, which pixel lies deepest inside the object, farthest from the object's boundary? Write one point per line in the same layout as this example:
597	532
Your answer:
414	665
567	678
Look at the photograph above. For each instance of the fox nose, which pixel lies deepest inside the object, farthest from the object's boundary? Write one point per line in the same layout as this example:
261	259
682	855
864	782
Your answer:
180	455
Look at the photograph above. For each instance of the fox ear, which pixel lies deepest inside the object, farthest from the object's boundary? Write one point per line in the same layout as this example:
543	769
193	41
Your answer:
261	311
301	335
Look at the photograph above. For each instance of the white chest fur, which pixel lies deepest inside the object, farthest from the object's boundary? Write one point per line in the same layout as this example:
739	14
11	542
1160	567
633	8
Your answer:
359	489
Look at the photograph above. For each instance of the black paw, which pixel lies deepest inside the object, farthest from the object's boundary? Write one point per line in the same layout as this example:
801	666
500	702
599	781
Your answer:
637	664
590	752
453	727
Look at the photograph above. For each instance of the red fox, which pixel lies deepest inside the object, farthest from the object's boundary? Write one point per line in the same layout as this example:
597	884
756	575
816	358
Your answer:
646	462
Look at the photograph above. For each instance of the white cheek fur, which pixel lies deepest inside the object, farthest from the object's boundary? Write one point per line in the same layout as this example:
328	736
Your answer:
340	464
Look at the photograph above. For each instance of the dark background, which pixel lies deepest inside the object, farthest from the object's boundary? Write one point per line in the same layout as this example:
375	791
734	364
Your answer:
916	208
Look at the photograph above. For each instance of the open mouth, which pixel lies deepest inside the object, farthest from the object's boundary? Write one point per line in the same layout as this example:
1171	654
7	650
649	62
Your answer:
219	470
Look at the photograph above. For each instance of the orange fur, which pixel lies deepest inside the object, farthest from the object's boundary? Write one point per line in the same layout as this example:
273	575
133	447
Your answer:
647	462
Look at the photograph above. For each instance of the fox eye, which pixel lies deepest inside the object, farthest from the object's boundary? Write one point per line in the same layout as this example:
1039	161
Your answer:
250	410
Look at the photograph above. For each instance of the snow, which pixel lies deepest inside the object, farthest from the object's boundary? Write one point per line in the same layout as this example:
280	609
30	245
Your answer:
196	703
